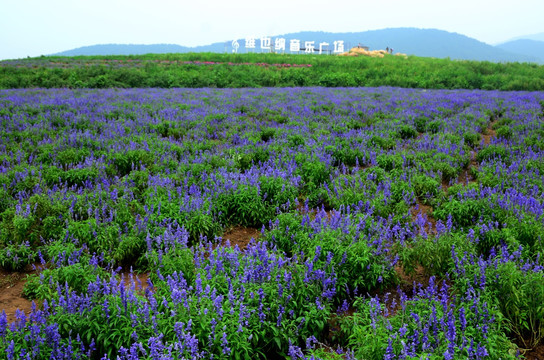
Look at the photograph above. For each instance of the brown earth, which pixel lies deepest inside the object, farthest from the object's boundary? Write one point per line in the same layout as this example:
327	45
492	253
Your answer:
11	293
240	236
140	281
536	353
489	133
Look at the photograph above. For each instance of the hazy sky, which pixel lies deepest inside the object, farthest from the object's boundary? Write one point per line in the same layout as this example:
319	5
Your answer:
42	27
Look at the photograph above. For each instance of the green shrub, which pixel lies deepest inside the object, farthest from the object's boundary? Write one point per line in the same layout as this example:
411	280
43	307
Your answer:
6	200
244	207
314	173
407	132
472	139
178	260
247	159
77	276
520	295
295	140
434	253
492	152
267	134
132	159
505	132
78	176
420	123
383	143
466	212
434	126
199	223
390	162
16	257
277	192
423	324
129	250
347	155
425	187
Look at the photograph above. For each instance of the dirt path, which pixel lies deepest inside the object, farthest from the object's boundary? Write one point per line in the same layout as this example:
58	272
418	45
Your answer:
489	133
11	294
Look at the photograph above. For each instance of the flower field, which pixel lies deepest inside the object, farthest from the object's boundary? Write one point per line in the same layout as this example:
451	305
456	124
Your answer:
302	223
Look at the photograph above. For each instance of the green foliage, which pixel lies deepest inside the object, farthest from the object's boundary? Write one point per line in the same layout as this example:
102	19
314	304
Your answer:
295	140
407	132
199	224
129	250
529	233
492	152
41	220
464	213
16	257
383	143
472	139
245	206
434	253
390	162
425	187
78	176
329	71
348	155
520	296
176	261
71	156
267	134
337	80
76	276
314	173
247	159
5	200
277	192
420	123
354	260
434	126
375	330
504	132
132	159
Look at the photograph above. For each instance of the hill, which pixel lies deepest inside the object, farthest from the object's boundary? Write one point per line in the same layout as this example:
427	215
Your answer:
422	42
525	46
537	37
125	49
412	41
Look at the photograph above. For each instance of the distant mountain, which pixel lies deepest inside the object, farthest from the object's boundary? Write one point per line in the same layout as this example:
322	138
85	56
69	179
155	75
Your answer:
411	41
124	49
525	46
537	37
420	42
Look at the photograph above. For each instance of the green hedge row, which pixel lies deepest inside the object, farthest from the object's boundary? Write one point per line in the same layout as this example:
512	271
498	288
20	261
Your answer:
254	70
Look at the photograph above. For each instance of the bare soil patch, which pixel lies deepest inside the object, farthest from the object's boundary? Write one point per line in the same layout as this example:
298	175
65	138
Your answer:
138	281
536	353
11	293
488	135
240	236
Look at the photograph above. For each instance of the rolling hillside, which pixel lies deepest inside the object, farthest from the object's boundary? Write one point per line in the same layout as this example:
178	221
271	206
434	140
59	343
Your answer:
411	41
525	46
